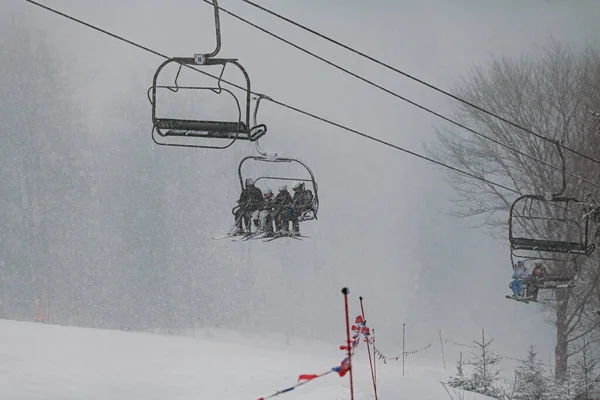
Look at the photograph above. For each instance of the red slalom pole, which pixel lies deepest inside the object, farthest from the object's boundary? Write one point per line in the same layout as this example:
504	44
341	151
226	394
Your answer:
362	310
374	358
345	291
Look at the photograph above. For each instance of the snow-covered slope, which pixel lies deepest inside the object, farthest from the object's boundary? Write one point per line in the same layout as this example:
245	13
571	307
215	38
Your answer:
39	361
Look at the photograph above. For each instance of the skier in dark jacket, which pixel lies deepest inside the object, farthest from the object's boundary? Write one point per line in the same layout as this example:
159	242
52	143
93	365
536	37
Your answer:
251	201
301	203
282	204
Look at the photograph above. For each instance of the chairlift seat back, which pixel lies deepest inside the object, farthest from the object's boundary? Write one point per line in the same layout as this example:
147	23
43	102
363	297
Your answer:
518	243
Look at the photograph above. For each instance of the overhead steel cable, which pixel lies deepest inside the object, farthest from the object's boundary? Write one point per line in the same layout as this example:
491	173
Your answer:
282	104
390	67
462	126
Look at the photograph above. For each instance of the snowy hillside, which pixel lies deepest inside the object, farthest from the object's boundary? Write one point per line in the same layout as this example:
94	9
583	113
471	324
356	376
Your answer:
39	361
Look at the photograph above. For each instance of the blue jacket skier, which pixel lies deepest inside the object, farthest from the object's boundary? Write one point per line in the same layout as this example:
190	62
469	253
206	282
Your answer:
520	274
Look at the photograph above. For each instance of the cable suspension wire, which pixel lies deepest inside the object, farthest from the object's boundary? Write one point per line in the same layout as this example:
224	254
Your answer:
479	108
300	48
282	104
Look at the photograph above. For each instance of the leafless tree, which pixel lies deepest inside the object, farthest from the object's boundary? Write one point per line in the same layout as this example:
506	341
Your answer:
551	95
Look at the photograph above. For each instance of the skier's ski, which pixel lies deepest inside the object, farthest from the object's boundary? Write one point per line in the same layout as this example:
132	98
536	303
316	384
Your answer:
260	235
228	236
224	237
525	300
283	236
246	236
272	238
234	228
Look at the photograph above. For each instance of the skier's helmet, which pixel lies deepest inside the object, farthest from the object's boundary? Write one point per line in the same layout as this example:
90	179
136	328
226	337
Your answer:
268	192
249	181
282	188
297	185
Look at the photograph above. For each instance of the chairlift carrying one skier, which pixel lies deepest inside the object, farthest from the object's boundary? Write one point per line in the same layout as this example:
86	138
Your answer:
203	129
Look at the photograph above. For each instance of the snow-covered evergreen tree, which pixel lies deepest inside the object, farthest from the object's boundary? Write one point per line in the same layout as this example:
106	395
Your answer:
484	376
460	381
561	389
530	383
584	374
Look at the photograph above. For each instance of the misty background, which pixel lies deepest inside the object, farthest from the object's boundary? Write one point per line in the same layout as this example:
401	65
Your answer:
113	229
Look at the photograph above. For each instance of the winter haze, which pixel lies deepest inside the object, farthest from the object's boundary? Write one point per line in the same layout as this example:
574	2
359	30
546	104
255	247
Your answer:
123	227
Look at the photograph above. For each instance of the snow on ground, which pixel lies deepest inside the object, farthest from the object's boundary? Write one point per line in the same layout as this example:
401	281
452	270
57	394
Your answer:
39	361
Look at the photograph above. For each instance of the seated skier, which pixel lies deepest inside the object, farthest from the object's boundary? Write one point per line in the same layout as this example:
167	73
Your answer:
520	275
281	207
251	200
537	275
301	202
266	213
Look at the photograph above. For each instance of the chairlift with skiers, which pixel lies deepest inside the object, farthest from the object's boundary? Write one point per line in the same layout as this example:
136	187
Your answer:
552	228
203	132
531	275
267	215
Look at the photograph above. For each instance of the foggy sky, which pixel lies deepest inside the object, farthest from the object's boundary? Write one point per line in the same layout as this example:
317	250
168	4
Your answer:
383	229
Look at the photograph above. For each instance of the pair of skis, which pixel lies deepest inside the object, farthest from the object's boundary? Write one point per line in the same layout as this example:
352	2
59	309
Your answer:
228	236
522	299
232	231
251	236
245	236
242	237
279	236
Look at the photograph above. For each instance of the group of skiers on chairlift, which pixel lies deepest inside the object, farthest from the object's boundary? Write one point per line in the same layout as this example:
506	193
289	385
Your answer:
268	209
523	284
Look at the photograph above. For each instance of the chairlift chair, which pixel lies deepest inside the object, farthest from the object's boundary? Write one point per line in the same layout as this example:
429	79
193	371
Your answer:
550	227
273	158
549	214
266	157
576	238
307	215
204	128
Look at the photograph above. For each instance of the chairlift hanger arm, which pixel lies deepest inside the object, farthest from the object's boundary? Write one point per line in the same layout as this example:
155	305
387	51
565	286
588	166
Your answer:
564	170
217	31
260	151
